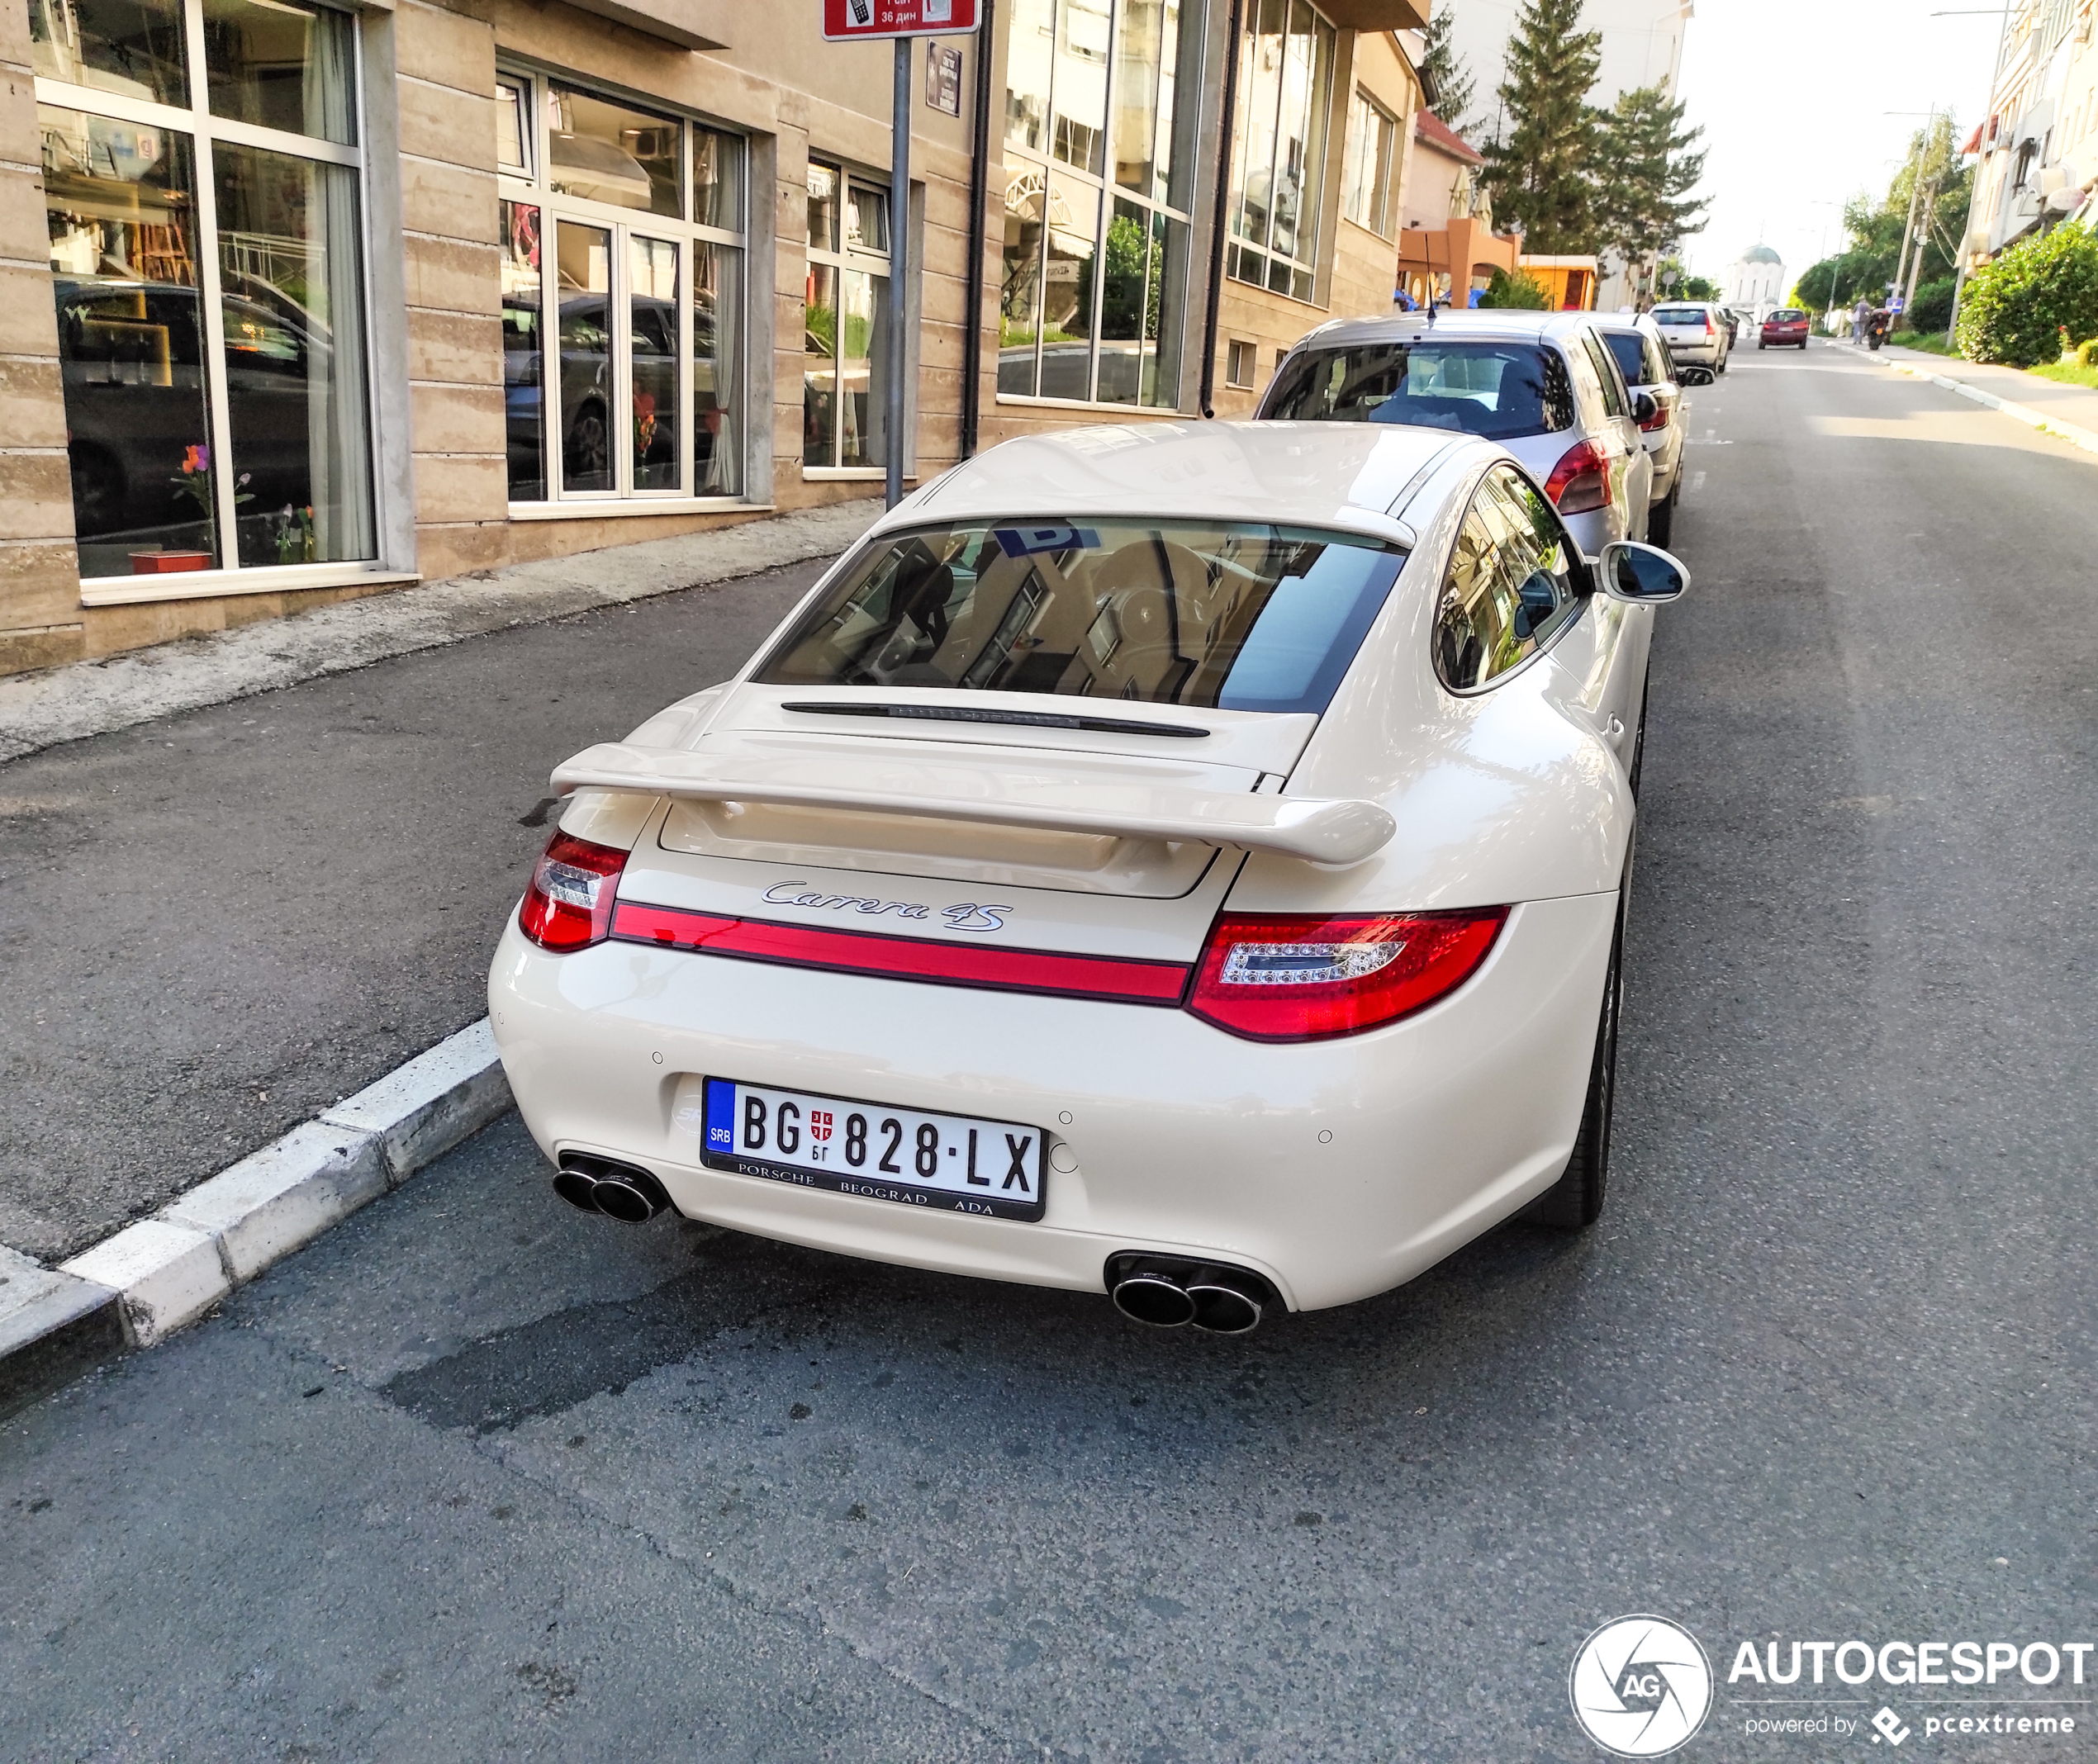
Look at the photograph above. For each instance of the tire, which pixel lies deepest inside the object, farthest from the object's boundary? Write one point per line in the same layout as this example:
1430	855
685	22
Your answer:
1660	521
1762	346
1575	1201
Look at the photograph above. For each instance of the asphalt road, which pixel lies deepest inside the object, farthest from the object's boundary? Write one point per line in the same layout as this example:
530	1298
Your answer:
215	925
475	1477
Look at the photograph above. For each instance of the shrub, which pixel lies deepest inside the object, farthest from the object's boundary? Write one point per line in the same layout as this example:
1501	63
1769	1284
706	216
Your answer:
2017	306
2087	353
1519	290
1933	311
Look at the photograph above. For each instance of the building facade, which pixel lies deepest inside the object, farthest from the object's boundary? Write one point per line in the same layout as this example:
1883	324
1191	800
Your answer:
2037	150
305	301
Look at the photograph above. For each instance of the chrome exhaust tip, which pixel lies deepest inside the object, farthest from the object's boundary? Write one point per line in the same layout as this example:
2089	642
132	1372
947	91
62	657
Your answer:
1221	1307
577	1188
1153	1299
623	1191
1171	1291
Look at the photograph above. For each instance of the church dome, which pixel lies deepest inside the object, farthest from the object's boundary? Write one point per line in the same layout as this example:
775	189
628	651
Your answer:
1760	254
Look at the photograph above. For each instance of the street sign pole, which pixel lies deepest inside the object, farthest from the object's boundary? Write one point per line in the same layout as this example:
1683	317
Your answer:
898	273
871	21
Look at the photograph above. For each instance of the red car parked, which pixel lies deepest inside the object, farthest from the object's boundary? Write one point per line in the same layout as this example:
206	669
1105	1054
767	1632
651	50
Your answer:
1788	325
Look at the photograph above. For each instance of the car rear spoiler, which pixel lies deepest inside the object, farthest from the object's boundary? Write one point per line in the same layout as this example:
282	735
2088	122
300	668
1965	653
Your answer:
1327	832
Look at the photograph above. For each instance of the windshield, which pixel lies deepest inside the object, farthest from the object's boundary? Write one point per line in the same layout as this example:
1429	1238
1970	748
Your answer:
1629	347
1678	314
1496	390
1233	615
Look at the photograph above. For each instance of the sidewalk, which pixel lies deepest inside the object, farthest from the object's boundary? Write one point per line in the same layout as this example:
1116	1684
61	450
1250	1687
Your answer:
2069	412
215	925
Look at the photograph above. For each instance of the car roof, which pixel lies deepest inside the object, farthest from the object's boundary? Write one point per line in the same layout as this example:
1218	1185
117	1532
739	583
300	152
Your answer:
1496	324
1326	474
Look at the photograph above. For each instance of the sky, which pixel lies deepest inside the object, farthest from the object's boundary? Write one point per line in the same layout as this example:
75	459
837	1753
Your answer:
1792	101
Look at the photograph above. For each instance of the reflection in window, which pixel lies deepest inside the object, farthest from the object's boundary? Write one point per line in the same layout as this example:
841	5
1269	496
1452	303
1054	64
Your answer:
1286	85
512	134
1067	288
845	303
646	320
524	305
652	283
607	152
583	269
134	48
290	275
282	65
1510	587
717	369
120	203
1240	615
1095	258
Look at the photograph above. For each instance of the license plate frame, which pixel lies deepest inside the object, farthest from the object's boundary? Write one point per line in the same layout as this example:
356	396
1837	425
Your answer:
978	1177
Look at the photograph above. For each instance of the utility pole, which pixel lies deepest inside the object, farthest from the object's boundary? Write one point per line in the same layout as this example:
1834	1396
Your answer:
1915	190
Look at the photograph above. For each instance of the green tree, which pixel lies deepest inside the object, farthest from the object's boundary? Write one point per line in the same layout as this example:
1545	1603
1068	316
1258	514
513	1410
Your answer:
1649	166
1448	76
2017	306
1519	290
1539	172
1126	292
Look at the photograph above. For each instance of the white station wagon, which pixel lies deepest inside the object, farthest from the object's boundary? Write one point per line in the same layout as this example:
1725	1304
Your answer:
1184	861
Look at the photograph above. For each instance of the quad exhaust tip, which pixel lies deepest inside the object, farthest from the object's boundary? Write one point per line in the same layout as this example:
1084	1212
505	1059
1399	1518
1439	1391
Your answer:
625	1191
1172	1292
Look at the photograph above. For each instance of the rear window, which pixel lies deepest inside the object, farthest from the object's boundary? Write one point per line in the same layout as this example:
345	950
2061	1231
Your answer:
1786	315
1678	314
1230	615
1628	348
1497	390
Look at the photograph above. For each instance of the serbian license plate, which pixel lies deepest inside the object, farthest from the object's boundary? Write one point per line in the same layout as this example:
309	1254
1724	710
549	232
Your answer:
956	1163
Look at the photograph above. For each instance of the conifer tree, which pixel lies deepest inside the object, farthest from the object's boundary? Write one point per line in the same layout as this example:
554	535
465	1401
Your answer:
1646	169
1448	74
1539	167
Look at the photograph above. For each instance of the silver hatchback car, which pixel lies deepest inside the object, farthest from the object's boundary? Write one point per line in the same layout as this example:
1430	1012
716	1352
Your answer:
1643	357
1543	385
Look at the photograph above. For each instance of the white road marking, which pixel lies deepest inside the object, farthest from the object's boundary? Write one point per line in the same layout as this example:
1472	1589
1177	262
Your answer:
1697	482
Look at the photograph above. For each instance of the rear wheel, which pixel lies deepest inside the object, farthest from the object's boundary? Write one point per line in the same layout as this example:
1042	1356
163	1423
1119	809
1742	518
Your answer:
1575	1201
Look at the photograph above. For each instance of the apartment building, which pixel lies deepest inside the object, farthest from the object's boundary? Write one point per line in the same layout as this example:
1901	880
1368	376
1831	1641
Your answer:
300	301
2038	147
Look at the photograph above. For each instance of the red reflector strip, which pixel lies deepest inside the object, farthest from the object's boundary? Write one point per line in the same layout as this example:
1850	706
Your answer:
1108	977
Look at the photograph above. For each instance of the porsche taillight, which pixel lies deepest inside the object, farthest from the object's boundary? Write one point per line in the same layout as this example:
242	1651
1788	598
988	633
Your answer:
1581	480
1306	978
569	904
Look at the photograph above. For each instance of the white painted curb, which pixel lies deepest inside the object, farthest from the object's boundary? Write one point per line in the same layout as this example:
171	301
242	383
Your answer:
2074	433
168	1270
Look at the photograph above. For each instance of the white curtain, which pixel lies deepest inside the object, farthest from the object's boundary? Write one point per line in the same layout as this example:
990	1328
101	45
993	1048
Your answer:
336	409
718	381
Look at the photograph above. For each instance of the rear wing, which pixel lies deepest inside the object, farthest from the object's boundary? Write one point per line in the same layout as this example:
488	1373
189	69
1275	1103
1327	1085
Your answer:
1333	832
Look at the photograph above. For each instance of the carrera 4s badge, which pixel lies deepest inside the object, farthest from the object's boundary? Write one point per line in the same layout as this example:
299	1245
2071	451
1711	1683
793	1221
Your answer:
966	916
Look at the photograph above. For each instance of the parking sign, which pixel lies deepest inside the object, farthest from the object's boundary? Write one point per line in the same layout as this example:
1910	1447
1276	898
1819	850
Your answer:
845	19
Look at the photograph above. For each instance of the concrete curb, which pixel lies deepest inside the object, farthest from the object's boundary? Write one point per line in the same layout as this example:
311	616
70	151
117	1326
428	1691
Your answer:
82	698
2074	433
161	1274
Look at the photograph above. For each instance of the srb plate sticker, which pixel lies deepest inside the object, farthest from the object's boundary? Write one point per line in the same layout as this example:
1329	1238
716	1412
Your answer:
953	1163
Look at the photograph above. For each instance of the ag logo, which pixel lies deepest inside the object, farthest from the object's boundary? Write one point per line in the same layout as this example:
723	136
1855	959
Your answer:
1641	1686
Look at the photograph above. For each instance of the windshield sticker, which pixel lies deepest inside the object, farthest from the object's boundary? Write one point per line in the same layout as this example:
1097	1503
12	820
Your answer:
1023	542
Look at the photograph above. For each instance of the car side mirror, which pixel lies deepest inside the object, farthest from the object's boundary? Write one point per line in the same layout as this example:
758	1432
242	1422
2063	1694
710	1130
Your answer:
1644	409
1643	575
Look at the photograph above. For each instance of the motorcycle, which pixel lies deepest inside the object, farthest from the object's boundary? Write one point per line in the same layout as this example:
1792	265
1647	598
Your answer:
1877	326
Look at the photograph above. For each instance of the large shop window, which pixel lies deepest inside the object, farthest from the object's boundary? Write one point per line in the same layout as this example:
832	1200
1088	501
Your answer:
1101	104
622	289
203	182
1285	74
845	372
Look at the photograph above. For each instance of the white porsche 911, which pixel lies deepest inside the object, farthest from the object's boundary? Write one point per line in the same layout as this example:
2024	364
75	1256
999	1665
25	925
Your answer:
1184	860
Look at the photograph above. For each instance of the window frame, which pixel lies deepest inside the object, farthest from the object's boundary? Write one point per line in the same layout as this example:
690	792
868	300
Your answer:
861	259
1239	249
1565	618
205	130
1022	162
535	189
1381	185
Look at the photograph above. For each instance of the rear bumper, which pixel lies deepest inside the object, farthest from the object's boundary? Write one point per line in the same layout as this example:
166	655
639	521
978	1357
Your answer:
1703	354
1180	1139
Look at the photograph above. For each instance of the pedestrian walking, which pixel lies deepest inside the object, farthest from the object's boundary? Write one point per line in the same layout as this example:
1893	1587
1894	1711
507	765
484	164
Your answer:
1859	319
